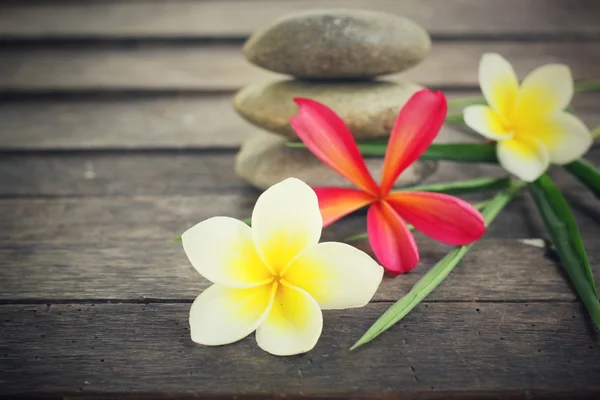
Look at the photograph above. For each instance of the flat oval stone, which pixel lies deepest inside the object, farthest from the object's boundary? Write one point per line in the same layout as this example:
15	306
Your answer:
264	160
369	109
338	44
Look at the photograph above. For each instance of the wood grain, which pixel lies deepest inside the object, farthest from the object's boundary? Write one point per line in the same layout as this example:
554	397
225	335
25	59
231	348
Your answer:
495	350
237	19
103	174
212	67
89	220
164	173
193	121
158	270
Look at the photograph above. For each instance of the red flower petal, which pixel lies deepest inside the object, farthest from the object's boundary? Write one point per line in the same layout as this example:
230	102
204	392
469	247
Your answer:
417	125
440	216
328	138
336	203
390	239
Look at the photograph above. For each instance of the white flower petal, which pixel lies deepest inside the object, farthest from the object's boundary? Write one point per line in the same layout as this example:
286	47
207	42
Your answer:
485	121
499	83
336	275
222	315
294	323
565	137
546	89
526	159
285	221
221	249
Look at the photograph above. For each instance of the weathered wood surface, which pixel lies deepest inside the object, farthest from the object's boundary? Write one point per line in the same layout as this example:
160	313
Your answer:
147	270
236	19
89	220
117	133
219	67
441	350
156	121
114	173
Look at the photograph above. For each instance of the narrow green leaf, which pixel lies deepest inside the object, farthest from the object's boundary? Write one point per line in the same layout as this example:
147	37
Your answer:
176	239
587	86
436	274
455	119
586	173
563	230
469	101
462	152
466	186
372	149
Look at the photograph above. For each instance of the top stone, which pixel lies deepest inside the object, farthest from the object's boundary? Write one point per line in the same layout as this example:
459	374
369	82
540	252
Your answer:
338	44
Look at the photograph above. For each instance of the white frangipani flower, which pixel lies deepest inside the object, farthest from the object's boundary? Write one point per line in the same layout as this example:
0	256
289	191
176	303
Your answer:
528	121
274	278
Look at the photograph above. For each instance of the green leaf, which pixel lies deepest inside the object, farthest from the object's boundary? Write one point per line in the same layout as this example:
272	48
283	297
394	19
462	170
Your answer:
563	230
469	101
436	274
176	239
587	86
455	119
586	173
596	133
462	152
466	186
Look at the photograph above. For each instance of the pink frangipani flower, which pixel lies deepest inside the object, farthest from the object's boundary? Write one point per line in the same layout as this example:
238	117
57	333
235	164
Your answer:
440	216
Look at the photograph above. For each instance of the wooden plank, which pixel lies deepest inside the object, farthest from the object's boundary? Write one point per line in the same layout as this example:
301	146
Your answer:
237	19
440	351
194	121
165	173
158	270
102	174
189	67
124	122
90	220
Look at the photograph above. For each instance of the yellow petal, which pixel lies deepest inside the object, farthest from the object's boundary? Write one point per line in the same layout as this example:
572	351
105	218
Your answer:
525	158
565	137
336	275
285	221
221	250
222	315
294	323
486	121
545	90
499	83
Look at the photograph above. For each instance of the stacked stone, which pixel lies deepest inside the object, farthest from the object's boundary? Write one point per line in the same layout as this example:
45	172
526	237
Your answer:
334	57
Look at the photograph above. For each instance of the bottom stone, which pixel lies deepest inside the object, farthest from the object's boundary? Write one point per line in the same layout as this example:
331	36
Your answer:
265	159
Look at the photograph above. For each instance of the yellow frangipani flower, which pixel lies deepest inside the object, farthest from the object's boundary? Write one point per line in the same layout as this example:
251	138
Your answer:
274	278
529	121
